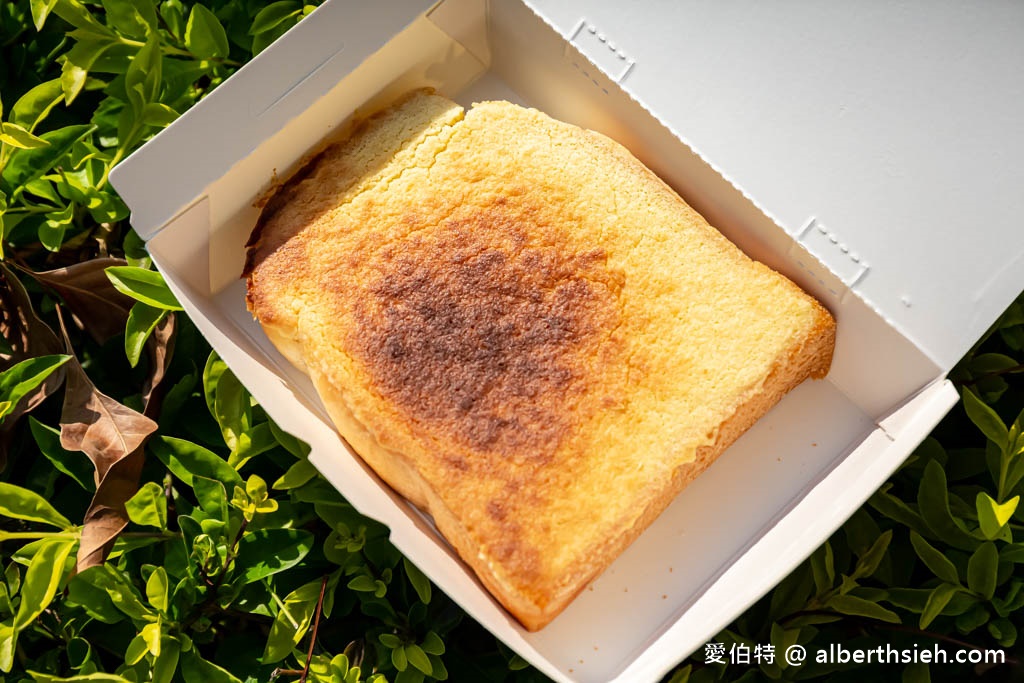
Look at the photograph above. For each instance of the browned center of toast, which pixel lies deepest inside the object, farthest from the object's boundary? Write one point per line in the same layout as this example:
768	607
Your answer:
483	335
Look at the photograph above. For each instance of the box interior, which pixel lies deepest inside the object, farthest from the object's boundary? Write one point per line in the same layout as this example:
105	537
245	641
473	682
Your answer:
472	50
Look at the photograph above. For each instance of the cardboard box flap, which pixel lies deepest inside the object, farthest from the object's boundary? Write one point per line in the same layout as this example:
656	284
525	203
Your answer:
170	172
888	142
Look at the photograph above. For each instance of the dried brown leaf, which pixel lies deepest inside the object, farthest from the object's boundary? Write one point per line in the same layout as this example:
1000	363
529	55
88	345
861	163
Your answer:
106	517
92	422
159	348
27	336
113	436
99	308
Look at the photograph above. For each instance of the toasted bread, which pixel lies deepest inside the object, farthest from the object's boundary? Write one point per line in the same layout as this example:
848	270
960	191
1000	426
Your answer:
522	330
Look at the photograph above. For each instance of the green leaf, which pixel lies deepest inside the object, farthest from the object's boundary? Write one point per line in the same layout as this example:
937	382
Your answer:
859	607
150	634
938	563
823	568
292	621
432	644
195	669
142	320
212	372
933	502
79	16
143	285
274	14
204	35
158	590
8	640
14	135
251	443
132	18
297	475
158	114
298	448
363	583
80	678
871	558
972	619
985	419
20	503
173	13
212	497
994	516
75	465
937	601
42	578
40	10
419	582
389	640
265	552
895	509
983	569
1003	631
232	408
138	648
93	600
77	63
118	589
148	506
166	663
51	232
256	488
30	164
185	458
143	79
418	658
21	379
399	659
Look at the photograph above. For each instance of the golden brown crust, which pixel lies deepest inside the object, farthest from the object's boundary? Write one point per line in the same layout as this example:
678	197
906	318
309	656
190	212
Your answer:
524	331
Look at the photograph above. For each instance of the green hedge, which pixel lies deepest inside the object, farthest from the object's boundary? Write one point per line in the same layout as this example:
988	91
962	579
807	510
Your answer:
155	524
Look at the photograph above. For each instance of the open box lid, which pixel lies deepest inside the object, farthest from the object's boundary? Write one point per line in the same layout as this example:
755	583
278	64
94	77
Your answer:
888	145
887	140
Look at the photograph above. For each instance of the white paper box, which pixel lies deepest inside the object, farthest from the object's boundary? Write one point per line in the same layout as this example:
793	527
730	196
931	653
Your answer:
743	525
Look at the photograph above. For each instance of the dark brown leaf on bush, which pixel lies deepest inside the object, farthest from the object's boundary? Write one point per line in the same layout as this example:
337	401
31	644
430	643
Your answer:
112	435
97	425
99	308
26	336
106	516
159	348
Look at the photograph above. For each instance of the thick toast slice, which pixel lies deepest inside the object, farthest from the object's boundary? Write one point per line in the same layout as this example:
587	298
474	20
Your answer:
524	331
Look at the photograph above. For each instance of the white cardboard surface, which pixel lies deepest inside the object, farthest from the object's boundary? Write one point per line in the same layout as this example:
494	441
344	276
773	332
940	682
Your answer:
768	502
896	127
